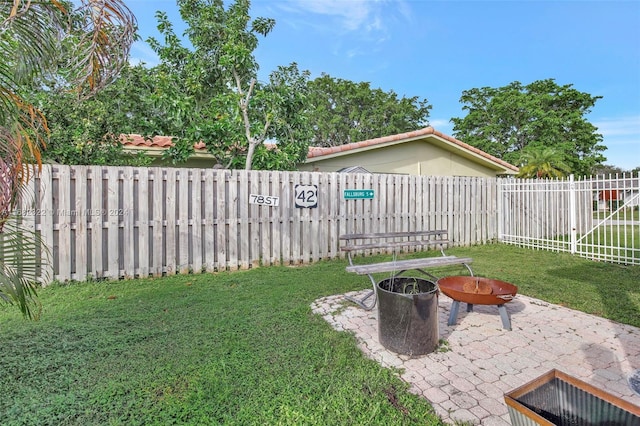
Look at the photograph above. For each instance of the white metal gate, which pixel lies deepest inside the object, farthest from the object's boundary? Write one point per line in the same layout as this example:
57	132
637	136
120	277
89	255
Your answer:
596	217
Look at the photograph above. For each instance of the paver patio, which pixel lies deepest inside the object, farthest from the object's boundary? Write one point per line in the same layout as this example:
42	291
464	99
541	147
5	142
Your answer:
468	379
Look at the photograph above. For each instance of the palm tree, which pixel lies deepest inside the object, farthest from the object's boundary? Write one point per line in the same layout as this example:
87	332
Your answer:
32	35
543	162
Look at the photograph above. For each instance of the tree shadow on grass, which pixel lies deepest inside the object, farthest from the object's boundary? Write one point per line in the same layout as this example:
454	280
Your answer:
619	294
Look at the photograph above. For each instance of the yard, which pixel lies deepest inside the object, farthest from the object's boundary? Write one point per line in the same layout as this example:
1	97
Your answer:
243	347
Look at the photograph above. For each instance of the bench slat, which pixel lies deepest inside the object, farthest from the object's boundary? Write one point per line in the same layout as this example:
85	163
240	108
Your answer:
402	265
391	235
393	244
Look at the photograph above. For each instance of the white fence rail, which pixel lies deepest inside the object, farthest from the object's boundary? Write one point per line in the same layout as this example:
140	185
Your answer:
594	217
113	222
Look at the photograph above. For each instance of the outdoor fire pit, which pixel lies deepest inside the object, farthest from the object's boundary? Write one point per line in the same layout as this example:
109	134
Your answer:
477	291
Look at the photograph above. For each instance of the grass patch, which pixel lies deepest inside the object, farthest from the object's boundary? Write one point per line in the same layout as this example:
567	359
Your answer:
623	214
237	348
616	241
604	289
244	348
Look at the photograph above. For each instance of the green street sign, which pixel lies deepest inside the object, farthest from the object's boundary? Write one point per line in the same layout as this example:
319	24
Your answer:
358	194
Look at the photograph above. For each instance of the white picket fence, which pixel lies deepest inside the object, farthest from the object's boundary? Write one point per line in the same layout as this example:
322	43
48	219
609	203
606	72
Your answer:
114	222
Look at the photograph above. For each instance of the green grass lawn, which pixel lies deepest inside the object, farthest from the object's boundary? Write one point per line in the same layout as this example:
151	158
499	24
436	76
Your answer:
244	348
624	214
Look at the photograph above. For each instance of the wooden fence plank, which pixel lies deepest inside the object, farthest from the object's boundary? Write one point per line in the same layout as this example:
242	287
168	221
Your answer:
182	219
196	205
81	214
252	219
44	207
297	220
63	208
96	225
170	221
157	222
286	218
142	221
221	220
209	220
275	218
232	220
261	233
110	201
242	206
125	214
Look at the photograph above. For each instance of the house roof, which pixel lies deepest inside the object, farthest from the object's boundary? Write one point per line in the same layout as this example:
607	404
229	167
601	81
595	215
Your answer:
317	153
162	142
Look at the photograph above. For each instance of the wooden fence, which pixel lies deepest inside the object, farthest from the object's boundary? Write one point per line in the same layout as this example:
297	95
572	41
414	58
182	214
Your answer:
113	222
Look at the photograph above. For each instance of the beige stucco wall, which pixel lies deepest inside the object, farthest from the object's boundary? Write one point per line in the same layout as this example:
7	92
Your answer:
419	157
201	160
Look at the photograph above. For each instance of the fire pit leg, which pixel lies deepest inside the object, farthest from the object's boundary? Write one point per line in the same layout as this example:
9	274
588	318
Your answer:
454	312
506	322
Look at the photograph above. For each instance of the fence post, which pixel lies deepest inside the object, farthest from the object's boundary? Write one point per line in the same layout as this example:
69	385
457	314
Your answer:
499	208
572	215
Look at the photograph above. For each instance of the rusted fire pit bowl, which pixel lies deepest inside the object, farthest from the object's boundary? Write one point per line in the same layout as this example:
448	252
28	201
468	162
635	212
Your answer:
478	291
460	288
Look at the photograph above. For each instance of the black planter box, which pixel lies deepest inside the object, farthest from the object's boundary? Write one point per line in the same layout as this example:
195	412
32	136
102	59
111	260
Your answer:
556	398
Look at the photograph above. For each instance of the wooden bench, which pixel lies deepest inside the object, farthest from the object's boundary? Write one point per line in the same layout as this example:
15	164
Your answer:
385	241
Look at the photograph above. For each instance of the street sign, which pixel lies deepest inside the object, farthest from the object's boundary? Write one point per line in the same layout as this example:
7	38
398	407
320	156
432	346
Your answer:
306	196
264	200
358	194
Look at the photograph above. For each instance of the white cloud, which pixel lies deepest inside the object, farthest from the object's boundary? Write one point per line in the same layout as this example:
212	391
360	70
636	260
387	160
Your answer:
621	136
352	14
142	52
442	125
621	126
368	16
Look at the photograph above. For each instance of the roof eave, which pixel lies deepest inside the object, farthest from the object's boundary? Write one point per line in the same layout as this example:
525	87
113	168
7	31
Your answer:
451	143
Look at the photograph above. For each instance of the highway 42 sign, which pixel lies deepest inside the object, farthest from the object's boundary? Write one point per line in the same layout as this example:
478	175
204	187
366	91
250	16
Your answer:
306	196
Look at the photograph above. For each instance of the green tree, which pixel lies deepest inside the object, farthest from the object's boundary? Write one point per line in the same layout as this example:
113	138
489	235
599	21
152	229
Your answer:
542	162
87	131
607	169
504	121
211	92
32	35
343	112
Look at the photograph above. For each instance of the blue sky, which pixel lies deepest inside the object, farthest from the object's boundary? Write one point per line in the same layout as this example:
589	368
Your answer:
438	49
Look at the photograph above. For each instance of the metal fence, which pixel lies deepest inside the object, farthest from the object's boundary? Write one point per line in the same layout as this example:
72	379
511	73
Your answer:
594	217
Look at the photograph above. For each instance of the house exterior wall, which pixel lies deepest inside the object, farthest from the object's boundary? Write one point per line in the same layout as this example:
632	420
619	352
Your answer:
202	160
418	157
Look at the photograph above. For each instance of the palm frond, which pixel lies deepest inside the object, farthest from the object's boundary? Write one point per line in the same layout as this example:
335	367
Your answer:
29	31
20	263
108	29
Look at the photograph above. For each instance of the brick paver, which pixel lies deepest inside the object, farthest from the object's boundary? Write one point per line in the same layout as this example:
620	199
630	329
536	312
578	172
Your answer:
468	381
